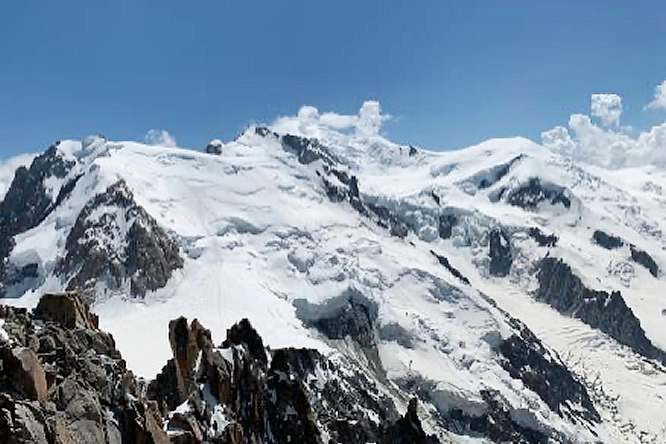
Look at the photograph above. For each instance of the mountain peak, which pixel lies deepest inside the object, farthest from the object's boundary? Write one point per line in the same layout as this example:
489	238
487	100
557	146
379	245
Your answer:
390	257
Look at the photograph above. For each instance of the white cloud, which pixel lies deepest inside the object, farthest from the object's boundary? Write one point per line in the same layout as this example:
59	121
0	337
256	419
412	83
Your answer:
370	119
659	101
584	141
367	123
607	107
558	140
338	121
160	137
609	145
7	169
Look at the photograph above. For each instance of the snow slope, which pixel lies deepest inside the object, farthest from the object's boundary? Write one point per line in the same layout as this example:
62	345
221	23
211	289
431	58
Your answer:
259	233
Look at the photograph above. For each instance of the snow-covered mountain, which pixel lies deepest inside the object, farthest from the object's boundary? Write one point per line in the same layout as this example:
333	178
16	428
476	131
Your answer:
517	293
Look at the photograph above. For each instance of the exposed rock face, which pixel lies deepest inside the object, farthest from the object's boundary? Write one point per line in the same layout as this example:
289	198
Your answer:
499	251
350	315
65	382
348	190
185	354
454	271
27	374
528	360
339	185
641	257
489	177
116	241
532	193
495	422
307	150
408	428
610	242
607	241
237	396
214	147
446	224
27	202
66	309
493	419
544	240
565	292
395	332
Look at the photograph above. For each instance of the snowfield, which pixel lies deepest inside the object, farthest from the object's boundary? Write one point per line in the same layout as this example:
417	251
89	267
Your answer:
262	239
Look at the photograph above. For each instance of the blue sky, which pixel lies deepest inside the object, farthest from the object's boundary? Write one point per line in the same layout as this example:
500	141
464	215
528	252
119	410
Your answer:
452	73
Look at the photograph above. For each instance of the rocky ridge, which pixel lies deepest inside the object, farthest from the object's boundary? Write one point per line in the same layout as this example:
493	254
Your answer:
116	241
63	381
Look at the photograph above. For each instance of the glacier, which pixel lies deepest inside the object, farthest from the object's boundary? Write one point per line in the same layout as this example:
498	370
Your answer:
306	221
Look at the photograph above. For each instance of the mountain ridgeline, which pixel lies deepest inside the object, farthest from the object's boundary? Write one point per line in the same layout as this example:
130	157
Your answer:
353	290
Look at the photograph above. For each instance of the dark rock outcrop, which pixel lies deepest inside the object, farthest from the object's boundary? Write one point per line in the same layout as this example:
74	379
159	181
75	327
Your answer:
499	251
66	309
543	373
644	259
65	382
265	132
15	275
454	271
348	190
27	374
293	397
495	423
214	147
544	240
532	193
492	421
446	224
147	256
487	178
408	429
307	150
27	202
435	197
607	241
395	332
349	315
607	312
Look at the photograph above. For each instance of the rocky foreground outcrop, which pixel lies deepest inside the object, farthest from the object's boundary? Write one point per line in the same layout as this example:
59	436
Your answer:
62	380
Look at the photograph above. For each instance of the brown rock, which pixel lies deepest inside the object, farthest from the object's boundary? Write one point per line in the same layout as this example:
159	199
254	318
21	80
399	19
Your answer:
233	434
187	423
29	373
185	353
27	427
88	431
60	432
153	426
66	309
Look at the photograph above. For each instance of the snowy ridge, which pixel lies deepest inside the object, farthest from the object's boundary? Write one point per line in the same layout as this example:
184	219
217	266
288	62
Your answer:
312	210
